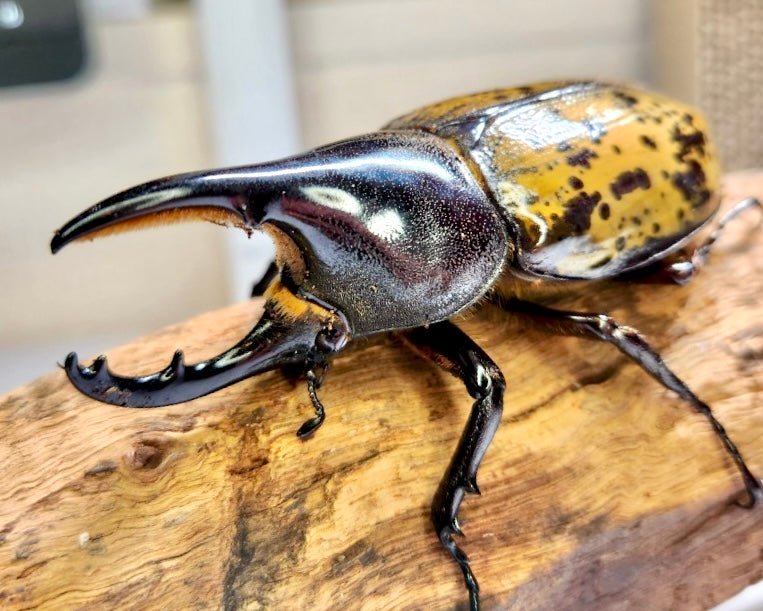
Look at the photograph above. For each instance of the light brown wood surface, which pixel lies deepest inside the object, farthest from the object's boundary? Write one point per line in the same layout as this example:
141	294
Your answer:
601	490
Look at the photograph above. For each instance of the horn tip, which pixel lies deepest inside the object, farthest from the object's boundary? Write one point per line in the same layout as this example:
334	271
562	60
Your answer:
177	365
71	362
57	243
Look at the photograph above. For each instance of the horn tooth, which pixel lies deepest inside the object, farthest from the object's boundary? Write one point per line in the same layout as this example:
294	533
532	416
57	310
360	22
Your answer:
178	364
98	366
175	370
71	363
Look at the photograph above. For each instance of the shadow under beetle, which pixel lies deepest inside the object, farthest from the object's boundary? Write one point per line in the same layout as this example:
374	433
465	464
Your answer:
400	230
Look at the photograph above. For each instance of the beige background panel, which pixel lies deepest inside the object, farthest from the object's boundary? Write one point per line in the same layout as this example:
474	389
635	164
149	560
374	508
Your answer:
709	52
332	33
359	64
343	101
138	113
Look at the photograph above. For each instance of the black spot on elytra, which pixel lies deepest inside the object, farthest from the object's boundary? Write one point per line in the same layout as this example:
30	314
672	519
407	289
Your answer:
648	142
664	174
630	181
691	184
616	149
625	98
577	214
620	243
575	182
688	143
582	158
655	227
680	214
635	220
604	211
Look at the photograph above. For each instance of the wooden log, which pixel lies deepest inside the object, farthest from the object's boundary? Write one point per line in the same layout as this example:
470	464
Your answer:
601	490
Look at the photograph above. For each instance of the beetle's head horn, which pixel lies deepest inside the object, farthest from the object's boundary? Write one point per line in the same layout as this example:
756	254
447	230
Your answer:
392	229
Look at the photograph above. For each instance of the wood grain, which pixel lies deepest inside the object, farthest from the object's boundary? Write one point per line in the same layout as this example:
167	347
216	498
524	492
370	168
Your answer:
600	491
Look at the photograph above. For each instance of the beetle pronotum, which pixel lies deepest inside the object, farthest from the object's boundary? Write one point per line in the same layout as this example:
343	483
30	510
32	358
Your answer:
487	195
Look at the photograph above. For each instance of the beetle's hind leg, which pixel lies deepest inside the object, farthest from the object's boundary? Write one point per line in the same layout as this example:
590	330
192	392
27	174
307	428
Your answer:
450	348
682	268
632	344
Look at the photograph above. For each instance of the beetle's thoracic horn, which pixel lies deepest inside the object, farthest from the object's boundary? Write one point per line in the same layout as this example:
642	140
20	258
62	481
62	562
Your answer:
242	196
217	195
272	343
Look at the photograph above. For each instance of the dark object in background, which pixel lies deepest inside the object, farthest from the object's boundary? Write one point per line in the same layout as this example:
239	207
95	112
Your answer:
40	41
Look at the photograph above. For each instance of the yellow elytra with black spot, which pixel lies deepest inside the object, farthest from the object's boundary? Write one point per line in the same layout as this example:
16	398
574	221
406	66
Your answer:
594	179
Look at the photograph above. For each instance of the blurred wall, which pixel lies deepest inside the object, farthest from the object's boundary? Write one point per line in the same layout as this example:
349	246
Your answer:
360	63
137	113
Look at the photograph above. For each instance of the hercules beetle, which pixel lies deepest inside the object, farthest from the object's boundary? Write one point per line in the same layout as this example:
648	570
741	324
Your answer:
487	195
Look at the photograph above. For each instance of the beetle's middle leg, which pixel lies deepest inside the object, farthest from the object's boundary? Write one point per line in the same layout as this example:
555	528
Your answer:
450	348
631	343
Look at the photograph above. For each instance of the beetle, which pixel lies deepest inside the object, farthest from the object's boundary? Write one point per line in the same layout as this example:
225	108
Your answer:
493	195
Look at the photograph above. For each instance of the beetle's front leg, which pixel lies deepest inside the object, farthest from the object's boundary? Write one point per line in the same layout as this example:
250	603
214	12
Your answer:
448	346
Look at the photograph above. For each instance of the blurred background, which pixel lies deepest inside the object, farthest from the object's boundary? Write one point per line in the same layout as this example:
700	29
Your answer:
97	96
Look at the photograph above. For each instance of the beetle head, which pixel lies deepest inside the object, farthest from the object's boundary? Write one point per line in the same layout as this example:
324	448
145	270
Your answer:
385	231
391	229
